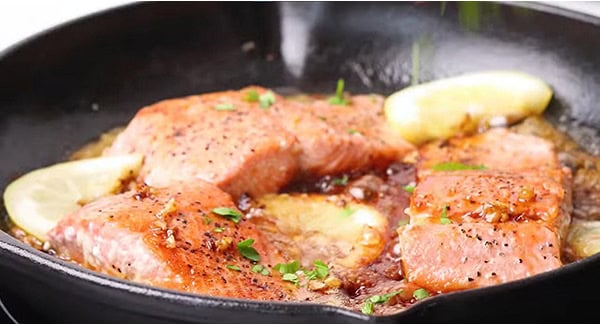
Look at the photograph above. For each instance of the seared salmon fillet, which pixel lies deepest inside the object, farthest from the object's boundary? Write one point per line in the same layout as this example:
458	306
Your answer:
463	256
221	138
497	149
340	138
169	238
490	196
507	200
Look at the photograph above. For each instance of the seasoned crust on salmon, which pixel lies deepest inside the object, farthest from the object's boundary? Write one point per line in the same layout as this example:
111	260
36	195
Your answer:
166	237
239	147
470	255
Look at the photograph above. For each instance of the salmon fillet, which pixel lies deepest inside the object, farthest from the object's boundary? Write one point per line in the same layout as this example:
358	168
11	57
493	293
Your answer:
169	238
517	199
491	196
464	256
497	149
239	148
341	138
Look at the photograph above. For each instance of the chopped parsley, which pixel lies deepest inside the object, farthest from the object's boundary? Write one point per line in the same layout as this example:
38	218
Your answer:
340	181
246	250
225	107
403	223
353	131
267	99
219	229
320	271
228	213
409	188
369	304
453	165
291	267
420	294
338	99
367	308
251	96
444	220
233	267
347	212
260	269
207	220
291	277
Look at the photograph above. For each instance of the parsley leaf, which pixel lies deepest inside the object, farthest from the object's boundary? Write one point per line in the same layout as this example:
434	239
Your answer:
420	294
233	267
444	220
267	99
403	223
260	269
291	267
367	308
353	131
369	304
338	99
291	277
409	188
225	107
340	181
453	165
219	229
228	213
321	268
251	96
246	250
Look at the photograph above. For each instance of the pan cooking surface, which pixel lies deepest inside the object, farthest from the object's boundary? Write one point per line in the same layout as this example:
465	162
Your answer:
61	89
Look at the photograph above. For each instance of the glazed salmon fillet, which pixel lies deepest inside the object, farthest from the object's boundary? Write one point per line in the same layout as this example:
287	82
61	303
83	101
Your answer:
340	138
473	196
464	256
236	144
508	198
221	138
169	238
496	149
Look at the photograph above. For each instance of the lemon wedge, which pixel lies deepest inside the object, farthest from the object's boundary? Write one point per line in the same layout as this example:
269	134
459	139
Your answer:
38	200
443	108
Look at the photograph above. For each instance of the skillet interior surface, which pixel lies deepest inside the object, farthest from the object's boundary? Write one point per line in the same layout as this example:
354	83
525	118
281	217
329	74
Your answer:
62	88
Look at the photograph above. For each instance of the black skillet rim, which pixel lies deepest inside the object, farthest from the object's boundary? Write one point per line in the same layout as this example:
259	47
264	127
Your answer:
21	250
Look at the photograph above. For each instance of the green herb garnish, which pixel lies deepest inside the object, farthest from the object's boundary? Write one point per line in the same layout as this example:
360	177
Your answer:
291	267
367	308
233	267
403	223
409	188
246	250
219	229
320	271
251	96
353	131
225	107
290	277
444	220
267	99
340	181
369	304
260	269
228	213
347	212
207	220
453	165
420	294
338	99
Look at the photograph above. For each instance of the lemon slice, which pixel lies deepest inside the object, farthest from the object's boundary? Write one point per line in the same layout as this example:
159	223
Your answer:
443	108
38	200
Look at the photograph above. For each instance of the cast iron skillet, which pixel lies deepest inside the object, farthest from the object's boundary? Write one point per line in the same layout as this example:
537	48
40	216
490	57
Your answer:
63	87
